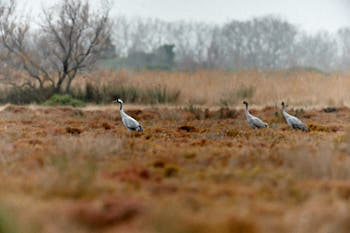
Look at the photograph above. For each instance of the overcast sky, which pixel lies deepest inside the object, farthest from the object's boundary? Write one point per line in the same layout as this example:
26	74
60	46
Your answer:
311	15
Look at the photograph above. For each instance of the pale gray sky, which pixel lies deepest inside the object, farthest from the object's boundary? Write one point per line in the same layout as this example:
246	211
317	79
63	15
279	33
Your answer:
311	15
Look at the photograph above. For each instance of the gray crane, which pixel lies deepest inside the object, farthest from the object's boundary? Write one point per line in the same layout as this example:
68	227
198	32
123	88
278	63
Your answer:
292	121
254	121
129	122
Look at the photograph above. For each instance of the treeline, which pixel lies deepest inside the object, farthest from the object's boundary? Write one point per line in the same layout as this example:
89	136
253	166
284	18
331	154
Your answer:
265	43
39	60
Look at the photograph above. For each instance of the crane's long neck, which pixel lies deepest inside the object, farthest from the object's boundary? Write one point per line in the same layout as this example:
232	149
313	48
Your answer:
246	110
122	113
284	111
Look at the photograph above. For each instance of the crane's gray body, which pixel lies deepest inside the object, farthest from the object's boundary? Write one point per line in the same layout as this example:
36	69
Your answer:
254	121
294	122
129	122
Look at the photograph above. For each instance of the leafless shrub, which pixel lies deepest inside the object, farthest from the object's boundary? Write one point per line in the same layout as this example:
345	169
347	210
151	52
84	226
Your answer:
67	42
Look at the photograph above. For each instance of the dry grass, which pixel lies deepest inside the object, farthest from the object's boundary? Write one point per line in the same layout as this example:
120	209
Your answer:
80	170
302	89
193	169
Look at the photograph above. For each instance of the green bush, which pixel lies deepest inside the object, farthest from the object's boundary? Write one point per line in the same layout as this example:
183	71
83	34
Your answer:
65	100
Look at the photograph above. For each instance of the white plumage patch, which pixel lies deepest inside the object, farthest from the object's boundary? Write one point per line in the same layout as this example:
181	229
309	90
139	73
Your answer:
254	121
294	122
130	122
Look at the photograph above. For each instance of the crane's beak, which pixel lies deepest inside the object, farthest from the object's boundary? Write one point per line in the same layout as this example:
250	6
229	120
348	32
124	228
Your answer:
115	101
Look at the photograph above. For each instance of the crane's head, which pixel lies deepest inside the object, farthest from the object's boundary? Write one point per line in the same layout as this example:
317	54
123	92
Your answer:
245	102
118	101
282	104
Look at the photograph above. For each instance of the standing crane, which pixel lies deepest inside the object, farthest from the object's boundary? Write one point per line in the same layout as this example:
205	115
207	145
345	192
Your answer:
292	121
129	122
254	121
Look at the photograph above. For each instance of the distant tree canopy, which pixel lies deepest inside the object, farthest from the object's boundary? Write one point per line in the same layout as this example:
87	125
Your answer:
108	49
162	58
263	43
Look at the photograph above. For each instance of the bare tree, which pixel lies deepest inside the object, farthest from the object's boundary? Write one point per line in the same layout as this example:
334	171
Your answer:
267	42
318	50
7	60
68	41
343	36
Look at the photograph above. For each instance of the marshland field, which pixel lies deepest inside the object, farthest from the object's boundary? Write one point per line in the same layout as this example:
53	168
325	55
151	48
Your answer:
197	167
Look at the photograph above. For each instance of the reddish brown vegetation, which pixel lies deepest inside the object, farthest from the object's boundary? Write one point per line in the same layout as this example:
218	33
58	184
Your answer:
109	212
71	170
